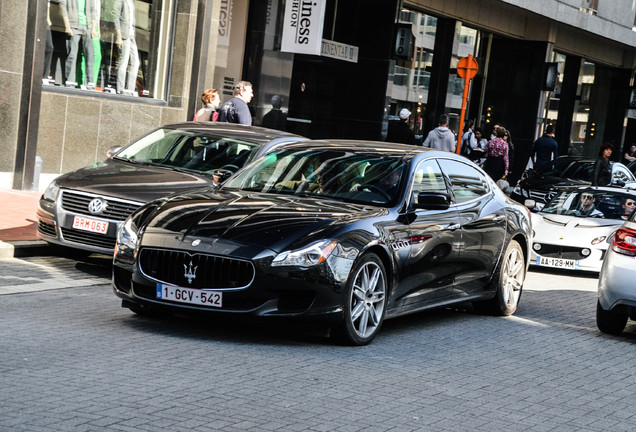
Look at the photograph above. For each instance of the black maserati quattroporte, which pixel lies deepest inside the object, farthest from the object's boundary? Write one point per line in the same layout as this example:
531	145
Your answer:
341	233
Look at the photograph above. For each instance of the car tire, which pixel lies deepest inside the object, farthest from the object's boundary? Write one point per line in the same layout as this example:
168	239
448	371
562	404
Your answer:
365	301
508	283
610	322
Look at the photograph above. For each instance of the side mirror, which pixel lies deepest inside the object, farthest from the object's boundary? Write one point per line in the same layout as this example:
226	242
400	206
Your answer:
221	175
111	151
533	205
433	200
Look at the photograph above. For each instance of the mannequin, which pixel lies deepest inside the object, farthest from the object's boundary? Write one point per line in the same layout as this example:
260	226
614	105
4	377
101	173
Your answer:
124	16
97	45
48	50
80	23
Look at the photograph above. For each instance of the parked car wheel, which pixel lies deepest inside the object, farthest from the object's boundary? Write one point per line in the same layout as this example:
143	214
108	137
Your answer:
509	281
610	322
365	305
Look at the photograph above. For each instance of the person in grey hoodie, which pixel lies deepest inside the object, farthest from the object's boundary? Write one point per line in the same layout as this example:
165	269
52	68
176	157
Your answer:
441	138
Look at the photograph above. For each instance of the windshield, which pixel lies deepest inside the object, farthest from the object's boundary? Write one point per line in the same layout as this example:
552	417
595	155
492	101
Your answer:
188	151
579	170
592	203
556	167
367	178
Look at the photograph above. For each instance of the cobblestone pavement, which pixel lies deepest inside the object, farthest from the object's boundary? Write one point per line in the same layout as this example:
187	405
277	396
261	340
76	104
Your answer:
73	360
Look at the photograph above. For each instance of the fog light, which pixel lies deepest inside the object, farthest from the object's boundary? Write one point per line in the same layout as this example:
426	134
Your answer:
536	246
585	252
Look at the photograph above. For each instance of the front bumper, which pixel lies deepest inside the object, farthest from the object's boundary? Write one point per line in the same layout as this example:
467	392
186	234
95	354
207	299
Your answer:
55	223
568	258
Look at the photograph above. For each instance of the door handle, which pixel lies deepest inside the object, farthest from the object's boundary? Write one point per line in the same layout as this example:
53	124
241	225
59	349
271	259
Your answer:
453	227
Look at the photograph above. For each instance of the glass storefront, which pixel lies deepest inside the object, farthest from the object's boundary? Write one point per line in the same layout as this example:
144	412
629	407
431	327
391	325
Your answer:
267	67
110	46
411	77
581	128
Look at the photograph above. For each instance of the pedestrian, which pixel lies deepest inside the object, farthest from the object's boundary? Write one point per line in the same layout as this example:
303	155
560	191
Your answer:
399	130
630	155
235	110
480	150
211	102
496	165
602	169
275	118
492	131
469	142
511	150
544	149
441	138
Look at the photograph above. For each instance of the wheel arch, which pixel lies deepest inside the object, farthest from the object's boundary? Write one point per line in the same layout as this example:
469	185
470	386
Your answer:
386	262
523	242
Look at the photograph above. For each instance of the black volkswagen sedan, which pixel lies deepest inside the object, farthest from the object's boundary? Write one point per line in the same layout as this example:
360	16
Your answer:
84	208
340	233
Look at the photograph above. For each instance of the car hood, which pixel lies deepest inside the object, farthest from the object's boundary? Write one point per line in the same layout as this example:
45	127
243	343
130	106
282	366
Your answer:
571	230
269	221
547	182
130	181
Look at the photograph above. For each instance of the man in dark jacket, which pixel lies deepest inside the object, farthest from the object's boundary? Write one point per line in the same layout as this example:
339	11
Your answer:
545	148
235	110
399	130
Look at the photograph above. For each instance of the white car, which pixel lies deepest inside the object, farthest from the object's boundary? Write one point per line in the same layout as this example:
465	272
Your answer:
575	228
616	286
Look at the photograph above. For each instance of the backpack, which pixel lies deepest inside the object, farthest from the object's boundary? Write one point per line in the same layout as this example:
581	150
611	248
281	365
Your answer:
465	145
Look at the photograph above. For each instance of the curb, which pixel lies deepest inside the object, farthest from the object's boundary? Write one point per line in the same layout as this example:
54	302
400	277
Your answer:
24	248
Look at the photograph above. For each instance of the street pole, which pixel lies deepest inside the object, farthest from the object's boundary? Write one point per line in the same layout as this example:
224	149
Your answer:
467	69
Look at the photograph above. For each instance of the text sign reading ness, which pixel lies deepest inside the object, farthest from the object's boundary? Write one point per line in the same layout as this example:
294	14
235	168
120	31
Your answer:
302	26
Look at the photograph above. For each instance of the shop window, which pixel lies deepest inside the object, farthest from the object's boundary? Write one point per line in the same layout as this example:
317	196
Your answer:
112	46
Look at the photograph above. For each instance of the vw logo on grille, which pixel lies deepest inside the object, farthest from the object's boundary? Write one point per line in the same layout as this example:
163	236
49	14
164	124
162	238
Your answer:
97	206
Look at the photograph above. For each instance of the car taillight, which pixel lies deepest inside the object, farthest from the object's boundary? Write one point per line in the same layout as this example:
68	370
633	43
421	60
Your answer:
625	242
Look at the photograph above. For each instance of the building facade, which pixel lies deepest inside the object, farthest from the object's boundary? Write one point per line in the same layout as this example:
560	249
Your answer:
77	81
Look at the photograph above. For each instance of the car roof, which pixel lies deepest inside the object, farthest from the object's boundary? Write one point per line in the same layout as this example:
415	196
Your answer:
388	148
617	190
255	134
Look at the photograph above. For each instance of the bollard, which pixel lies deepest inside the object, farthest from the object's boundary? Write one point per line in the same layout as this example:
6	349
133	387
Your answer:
37	169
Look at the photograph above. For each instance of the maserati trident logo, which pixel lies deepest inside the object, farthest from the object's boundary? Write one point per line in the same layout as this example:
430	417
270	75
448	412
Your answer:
97	206
190	273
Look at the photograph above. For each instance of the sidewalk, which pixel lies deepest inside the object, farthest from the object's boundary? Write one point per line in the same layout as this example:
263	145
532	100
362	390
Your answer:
18	223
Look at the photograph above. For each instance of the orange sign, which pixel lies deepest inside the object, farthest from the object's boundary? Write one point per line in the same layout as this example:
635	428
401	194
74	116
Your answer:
467	67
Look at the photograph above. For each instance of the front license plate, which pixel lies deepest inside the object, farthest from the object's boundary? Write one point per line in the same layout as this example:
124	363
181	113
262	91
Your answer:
558	263
88	224
190	296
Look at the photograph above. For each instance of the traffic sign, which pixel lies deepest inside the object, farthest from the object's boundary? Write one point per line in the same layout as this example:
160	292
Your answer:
467	67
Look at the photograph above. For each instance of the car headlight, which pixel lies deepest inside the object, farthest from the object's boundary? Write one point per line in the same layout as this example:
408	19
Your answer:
127	239
308	256
51	191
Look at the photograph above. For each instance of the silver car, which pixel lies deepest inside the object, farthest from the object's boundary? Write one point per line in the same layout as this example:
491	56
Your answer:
616	286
